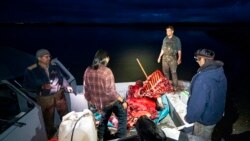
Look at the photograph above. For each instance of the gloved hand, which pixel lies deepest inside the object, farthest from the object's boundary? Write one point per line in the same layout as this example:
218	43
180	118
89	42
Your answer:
69	89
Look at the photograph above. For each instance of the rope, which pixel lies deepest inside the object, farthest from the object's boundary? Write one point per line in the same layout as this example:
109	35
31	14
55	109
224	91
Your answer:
75	125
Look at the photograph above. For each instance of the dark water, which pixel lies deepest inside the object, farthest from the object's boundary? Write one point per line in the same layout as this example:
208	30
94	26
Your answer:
75	46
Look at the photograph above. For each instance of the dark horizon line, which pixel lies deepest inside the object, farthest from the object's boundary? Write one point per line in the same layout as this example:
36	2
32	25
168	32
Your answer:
187	24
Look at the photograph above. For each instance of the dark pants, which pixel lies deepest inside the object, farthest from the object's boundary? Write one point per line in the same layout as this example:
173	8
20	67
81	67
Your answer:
170	65
48	105
203	131
120	113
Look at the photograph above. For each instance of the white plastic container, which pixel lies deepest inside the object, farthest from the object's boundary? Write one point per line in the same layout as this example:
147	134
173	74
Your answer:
78	126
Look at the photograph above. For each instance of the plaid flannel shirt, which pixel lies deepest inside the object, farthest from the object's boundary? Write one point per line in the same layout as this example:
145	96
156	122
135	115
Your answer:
99	86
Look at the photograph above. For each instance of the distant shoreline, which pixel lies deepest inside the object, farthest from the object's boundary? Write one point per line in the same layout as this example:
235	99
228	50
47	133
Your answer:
142	25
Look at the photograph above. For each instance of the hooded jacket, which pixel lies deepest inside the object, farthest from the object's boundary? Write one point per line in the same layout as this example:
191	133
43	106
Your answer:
207	94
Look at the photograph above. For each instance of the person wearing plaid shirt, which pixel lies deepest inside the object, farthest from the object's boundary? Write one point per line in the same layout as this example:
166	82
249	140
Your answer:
100	91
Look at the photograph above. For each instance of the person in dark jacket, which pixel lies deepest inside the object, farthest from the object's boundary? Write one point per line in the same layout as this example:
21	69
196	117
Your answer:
147	130
208	90
47	82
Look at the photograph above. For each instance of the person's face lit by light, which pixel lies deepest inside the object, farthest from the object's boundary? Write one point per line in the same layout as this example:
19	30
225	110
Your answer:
169	32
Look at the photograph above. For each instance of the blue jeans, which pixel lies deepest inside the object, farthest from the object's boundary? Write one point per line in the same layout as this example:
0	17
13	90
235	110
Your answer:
121	115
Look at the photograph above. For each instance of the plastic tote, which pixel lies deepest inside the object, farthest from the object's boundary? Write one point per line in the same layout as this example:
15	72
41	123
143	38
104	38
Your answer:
78	126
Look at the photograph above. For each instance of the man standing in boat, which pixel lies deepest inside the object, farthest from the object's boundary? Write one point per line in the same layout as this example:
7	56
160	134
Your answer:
208	90
170	55
46	80
99	85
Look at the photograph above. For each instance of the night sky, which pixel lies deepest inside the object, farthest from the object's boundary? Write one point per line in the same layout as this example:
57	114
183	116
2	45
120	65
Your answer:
124	11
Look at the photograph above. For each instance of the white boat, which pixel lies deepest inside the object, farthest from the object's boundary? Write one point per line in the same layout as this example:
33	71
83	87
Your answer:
21	118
